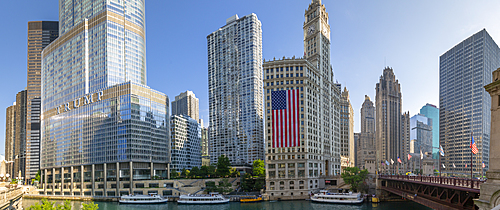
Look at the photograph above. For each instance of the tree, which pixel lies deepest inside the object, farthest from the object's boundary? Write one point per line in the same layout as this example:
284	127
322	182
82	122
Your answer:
38	177
258	168
212	170
354	177
185	173
234	172
225	186
47	205
247	183
210	187
174	174
223	166
90	206
195	171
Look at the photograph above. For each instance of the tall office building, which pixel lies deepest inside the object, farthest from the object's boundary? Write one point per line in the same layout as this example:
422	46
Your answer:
405	134
10	138
104	132
388	106
464	105
186	103
347	129
235	91
366	146
19	169
421	134
40	34
432	112
302	107
186	142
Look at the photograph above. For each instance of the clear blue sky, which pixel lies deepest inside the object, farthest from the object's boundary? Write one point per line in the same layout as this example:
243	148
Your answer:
366	35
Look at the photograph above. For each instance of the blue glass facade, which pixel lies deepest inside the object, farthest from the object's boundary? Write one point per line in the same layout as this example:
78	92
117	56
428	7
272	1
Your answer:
186	142
432	112
420	134
464	105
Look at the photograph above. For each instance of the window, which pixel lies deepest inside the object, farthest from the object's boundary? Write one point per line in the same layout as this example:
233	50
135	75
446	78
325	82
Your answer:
271	166
281	165
291	165
272	174
271	183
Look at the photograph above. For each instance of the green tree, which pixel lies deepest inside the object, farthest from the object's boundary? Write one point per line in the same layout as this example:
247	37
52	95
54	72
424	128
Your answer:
223	166
195	171
354	177
258	168
90	206
38	177
212	170
225	186
247	182
185	173
234	172
174	174
47	205
259	183
210	187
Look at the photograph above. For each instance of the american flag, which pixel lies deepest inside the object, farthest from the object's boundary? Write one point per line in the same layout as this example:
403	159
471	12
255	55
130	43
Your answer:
409	156
399	160
286	111
484	165
473	145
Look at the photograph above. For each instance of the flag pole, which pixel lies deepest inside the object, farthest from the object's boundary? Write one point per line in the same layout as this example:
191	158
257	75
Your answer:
471	185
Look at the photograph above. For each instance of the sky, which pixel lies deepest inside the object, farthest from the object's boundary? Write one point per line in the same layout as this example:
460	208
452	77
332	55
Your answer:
366	36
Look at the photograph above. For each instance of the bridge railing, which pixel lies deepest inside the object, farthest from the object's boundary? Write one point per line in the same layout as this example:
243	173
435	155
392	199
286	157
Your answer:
451	181
8	194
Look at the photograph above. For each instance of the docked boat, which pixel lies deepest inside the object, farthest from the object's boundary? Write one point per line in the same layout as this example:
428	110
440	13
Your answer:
152	198
212	198
250	199
339	198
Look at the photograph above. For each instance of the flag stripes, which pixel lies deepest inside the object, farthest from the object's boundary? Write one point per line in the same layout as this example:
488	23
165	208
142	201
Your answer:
285	114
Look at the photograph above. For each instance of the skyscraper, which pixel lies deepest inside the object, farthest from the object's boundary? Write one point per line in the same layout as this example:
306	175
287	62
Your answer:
432	112
10	138
302	115
19	169
103	129
366	146
421	134
464	105
235	91
347	129
186	142
388	106
40	34
186	103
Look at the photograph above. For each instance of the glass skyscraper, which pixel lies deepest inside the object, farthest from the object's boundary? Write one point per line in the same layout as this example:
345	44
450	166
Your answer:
464	105
235	91
104	132
186	142
432	112
420	134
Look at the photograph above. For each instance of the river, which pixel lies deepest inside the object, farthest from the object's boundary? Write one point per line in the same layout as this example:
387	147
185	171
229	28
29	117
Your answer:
278	205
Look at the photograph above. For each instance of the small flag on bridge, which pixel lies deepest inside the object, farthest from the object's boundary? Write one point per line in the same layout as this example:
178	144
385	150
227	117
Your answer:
443	165
421	155
409	156
387	162
441	150
392	162
484	165
399	160
466	165
454	165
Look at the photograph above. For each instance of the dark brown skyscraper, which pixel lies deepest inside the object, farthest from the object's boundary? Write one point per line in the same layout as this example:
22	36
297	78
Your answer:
10	130
40	34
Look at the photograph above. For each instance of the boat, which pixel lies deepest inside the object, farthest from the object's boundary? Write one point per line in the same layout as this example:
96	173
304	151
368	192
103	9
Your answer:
339	198
152	198
212	198
250	199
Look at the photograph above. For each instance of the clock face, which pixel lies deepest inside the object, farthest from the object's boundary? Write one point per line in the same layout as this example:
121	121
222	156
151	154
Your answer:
311	29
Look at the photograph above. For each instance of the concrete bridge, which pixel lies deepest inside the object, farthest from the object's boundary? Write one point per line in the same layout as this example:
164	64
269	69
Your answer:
11	198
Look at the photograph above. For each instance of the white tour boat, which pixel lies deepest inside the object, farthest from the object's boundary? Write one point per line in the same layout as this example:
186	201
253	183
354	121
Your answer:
152	198
340	198
212	198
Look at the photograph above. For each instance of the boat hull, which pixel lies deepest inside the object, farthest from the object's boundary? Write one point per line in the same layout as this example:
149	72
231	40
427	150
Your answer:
203	202
142	202
337	201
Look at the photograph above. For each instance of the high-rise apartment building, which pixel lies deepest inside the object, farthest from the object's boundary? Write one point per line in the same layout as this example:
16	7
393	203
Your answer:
186	143
235	91
302	115
432	112
421	134
347	129
366	144
104	132
388	104
186	103
40	34
464	105
10	138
